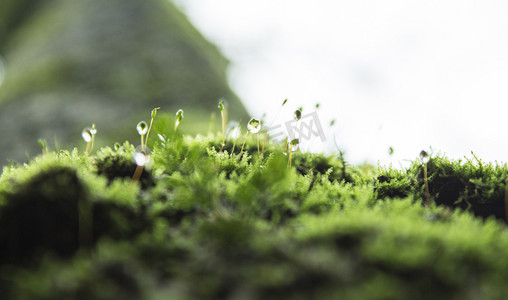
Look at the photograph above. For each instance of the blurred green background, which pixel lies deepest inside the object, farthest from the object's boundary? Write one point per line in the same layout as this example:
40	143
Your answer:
71	63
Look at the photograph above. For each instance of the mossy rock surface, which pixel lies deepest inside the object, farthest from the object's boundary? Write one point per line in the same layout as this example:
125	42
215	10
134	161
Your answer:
73	63
248	227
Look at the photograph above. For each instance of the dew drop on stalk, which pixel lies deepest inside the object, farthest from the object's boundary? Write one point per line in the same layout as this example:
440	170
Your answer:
161	137
142	128
298	114
87	134
178	117
93	131
294	145
424	157
254	125
141	156
117	146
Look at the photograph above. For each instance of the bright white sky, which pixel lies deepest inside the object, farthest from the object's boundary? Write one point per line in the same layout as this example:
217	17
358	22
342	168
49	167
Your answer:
402	73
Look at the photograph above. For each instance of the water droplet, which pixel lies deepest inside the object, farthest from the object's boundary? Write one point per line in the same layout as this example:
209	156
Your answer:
154	112
117	146
140	159
141	156
317	105
283	103
298	114
142	128
178	118
93	130
87	134
254	125
332	123
294	145
161	137
424	156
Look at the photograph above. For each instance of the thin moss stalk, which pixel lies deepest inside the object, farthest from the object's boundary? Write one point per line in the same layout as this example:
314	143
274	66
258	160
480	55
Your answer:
223	114
424	157
154	113
293	146
243	145
236	137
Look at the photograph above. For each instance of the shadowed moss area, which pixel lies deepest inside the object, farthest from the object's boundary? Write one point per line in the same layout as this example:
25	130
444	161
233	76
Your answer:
73	63
204	224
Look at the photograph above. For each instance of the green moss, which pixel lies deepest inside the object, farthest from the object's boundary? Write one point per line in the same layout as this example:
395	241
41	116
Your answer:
247	228
464	184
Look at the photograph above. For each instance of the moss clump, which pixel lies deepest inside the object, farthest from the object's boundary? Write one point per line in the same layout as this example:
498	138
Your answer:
249	227
468	184
118	164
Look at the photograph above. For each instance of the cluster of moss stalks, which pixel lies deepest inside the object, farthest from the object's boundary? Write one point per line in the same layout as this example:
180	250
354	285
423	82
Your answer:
204	224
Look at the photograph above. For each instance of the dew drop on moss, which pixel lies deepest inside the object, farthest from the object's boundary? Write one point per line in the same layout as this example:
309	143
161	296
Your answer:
141	156
424	156
294	145
87	134
254	125
117	146
140	159
178	117
142	128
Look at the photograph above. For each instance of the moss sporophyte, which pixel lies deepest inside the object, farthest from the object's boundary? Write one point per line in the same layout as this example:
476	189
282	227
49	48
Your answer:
253	127
224	115
142	129
425	158
88	135
293	147
178	118
141	155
